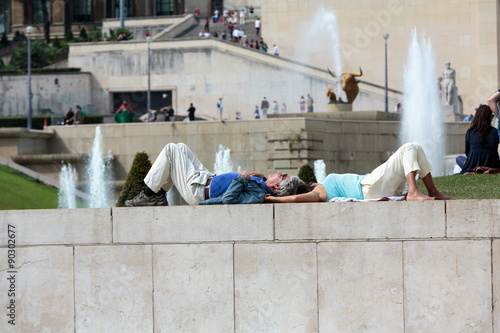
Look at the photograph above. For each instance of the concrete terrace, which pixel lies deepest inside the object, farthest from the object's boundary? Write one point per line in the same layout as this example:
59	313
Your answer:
319	267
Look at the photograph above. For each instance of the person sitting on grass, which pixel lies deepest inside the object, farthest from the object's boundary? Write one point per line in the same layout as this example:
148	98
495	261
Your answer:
387	180
481	142
177	165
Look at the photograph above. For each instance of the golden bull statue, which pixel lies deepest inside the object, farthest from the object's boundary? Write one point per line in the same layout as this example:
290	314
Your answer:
349	84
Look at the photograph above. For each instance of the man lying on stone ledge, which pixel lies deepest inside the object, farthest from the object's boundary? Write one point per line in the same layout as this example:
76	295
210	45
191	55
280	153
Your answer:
177	165
389	179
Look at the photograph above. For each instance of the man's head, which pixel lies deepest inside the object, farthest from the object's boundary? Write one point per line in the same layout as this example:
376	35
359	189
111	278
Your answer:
282	184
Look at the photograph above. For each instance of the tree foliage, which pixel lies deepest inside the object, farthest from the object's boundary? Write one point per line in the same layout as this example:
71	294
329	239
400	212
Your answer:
42	54
306	173
83	34
134	183
4	42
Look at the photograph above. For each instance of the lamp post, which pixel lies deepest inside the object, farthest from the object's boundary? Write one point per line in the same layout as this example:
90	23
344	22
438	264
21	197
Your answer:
148	41
386	36
122	19
29	31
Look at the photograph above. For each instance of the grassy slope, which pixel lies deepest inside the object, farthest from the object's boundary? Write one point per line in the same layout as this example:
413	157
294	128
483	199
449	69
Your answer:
18	191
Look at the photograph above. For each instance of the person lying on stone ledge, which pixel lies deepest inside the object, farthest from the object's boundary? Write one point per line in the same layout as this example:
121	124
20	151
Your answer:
386	180
177	165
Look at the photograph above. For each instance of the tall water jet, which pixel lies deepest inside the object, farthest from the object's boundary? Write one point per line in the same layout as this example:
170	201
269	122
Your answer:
223	163
322	39
422	114
67	187
98	174
320	170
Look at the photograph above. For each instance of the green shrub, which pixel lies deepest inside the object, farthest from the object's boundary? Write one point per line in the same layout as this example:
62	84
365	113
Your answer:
4	42
11	70
306	173
56	43
42	54
114	33
2	65
134	183
69	36
83	34
36	122
91	119
96	36
17	36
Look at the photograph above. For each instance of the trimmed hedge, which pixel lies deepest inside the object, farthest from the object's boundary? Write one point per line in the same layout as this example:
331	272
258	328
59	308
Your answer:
40	70
37	121
134	183
306	173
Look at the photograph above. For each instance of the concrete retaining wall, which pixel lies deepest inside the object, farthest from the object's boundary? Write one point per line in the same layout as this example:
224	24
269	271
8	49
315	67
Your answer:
319	267
56	91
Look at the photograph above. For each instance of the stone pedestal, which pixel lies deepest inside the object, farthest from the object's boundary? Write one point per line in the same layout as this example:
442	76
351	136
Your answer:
339	106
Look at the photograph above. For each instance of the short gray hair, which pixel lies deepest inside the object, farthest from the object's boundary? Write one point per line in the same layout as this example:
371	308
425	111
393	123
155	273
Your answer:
288	186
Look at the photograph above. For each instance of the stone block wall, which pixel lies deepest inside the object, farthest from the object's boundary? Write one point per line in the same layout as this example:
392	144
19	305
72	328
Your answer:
318	267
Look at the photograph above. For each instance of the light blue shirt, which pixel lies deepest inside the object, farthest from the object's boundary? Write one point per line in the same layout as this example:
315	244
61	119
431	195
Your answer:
346	185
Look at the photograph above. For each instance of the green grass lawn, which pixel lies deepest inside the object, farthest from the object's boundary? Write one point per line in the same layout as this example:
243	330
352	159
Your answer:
18	191
467	186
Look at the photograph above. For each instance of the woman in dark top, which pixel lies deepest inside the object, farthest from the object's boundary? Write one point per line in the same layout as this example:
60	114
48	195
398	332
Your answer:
481	142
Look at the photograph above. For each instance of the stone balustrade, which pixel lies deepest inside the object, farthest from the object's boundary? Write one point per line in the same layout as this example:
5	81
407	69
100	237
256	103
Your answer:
318	267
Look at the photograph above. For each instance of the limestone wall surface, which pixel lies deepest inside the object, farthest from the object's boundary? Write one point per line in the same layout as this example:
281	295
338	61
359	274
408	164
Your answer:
57	91
318	267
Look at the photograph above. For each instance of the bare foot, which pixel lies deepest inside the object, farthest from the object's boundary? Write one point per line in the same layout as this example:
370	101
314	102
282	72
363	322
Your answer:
440	196
417	196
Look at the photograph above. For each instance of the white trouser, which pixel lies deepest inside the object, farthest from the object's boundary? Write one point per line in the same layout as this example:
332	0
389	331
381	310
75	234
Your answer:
389	179
177	165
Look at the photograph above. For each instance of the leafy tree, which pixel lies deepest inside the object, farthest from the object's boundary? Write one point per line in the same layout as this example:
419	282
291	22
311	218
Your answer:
134	183
4	42
41	55
306	173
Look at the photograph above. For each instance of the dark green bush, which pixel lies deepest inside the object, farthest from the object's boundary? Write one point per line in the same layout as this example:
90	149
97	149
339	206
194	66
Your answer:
91	119
56	43
83	34
96	36
4	42
134	183
10	70
38	121
69	36
306	173
114	33
17	36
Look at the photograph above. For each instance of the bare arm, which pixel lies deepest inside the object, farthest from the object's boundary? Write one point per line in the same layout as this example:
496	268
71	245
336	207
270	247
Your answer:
317	195
492	102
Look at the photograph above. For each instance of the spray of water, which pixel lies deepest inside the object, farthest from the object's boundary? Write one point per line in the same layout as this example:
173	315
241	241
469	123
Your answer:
98	174
422	113
322	41
320	170
223	163
67	187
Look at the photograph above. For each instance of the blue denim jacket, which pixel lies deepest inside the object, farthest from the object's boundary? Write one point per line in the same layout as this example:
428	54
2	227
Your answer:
241	191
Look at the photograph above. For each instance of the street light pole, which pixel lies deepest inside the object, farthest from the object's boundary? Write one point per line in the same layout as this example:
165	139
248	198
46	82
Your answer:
148	41
386	36
29	31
